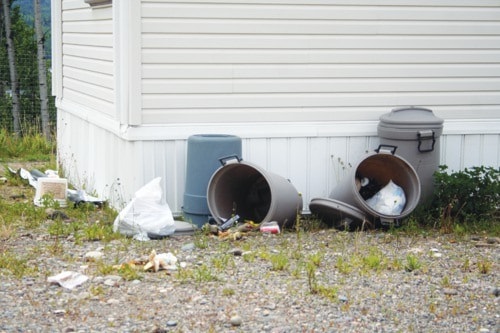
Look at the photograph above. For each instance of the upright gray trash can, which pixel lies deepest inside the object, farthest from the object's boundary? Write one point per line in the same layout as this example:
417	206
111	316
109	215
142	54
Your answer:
415	131
204	152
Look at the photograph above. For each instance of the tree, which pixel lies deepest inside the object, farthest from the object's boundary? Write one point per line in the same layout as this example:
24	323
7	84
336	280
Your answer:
14	83
42	71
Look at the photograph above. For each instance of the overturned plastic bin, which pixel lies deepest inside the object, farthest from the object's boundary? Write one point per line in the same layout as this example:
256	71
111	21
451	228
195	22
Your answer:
348	205
416	132
203	154
244	189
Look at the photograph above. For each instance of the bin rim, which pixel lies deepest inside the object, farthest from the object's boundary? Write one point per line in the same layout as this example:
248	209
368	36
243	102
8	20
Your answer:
336	208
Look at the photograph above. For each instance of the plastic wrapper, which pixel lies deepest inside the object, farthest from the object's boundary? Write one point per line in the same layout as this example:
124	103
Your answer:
145	217
390	200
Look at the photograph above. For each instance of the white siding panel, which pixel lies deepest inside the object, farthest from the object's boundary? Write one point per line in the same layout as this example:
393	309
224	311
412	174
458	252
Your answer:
329	11
319	100
87	39
84	27
99	92
89	77
277	41
291	27
321	56
215	60
293	71
89	52
238	86
91	65
89	101
88	56
490	150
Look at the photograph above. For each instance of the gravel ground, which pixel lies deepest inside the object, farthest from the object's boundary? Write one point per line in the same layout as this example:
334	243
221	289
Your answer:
315	281
260	283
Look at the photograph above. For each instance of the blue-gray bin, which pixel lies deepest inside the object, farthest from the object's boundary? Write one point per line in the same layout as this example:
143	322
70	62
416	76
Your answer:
204	152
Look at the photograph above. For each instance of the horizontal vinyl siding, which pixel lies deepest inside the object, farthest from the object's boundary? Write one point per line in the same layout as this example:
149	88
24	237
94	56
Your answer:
224	61
87	45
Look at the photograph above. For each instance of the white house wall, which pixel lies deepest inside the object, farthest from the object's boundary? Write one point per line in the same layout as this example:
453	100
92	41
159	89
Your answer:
87	48
301	82
227	61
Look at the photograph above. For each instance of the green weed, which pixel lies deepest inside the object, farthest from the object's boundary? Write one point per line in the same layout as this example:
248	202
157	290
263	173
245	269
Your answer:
129	273
412	263
279	261
16	265
484	266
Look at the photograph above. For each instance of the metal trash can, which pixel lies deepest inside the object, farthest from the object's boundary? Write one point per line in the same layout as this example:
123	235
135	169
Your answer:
203	154
415	131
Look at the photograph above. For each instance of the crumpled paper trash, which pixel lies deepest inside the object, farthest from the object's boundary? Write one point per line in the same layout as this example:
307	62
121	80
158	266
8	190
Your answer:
161	261
68	279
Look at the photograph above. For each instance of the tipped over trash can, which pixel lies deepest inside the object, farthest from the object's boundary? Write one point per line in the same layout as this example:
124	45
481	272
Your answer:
203	154
244	189
381	186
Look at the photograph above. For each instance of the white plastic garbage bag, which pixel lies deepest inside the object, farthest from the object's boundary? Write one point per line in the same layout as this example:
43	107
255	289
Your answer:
145	217
390	200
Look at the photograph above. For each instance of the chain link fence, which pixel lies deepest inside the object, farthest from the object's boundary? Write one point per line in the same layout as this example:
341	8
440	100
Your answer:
29	94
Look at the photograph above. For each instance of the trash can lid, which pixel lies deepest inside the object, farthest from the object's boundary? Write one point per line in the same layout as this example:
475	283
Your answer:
331	211
405	123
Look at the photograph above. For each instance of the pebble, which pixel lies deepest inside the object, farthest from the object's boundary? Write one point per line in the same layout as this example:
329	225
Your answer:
112	280
450	291
343	298
171	323
235	252
188	247
93	256
112	301
236	320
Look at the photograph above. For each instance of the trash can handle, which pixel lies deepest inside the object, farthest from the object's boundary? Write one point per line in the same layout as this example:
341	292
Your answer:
426	135
393	151
223	160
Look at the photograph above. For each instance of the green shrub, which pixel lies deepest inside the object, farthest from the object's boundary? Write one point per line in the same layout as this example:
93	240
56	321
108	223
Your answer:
470	194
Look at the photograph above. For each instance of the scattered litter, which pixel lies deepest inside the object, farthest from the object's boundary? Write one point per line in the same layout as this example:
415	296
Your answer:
68	279
145	217
161	261
80	196
270	227
53	185
229	223
390	200
236	231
